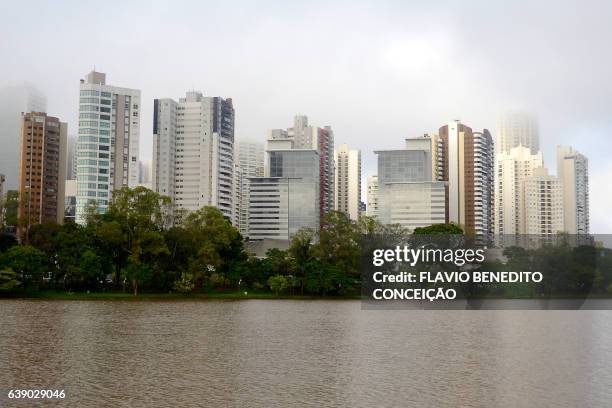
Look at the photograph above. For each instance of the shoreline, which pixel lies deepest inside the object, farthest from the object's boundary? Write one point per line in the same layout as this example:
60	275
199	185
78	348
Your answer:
126	296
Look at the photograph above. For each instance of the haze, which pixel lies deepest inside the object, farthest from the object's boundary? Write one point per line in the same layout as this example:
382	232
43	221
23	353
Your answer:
376	72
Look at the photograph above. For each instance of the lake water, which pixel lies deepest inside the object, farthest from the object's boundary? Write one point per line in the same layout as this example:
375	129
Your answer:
266	353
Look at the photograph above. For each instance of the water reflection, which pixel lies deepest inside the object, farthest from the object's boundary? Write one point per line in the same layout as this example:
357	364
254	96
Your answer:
304	353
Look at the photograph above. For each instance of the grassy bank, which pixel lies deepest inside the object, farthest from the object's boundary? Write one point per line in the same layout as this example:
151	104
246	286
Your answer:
54	295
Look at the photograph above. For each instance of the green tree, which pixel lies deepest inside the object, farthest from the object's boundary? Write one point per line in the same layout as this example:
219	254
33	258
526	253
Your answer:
8	280
278	283
28	262
301	250
136	220
91	267
339	243
450	228
11	208
214	243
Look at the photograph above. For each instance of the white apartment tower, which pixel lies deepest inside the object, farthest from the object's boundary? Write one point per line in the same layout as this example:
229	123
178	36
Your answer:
249	158
372	196
517	129
512	169
193	151
543	203
573	171
108	142
348	181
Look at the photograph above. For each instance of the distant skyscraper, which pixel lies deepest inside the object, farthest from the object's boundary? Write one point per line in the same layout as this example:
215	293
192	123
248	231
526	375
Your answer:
512	169
573	171
305	136
372	196
407	194
193	151
348	181
286	199
42	171
71	158
249	159
15	100
108	144
144	172
517	129
543	203
465	161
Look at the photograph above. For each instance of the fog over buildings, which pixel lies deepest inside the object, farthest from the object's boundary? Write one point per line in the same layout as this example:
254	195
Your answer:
377	72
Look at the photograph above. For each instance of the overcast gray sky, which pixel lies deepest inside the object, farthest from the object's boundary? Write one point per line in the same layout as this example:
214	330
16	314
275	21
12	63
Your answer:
375	71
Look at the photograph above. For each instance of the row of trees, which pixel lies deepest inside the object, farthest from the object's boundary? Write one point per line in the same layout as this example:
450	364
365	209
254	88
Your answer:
143	243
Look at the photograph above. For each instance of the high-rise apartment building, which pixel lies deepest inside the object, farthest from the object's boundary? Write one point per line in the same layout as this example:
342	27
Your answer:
286	199
517	129
543	203
15	100
512	169
573	171
348	181
321	139
249	158
42	170
407	194
193	151
108	142
372	196
465	161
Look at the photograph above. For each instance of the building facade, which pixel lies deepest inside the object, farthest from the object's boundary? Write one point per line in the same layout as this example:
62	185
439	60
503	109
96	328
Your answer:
286	199
517	129
407	193
108	142
42	170
372	196
543	203
249	158
512	169
321	139
348	181
465	161
573	171
193	151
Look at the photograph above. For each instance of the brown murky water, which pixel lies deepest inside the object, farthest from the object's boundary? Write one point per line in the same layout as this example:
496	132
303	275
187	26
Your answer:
261	353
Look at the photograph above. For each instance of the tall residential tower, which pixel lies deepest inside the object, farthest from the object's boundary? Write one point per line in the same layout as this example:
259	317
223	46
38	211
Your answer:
42	170
465	161
193	151
348	181
108	142
573	171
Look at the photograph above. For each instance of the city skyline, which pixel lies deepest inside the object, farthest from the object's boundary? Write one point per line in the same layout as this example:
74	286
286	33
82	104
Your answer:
407	67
